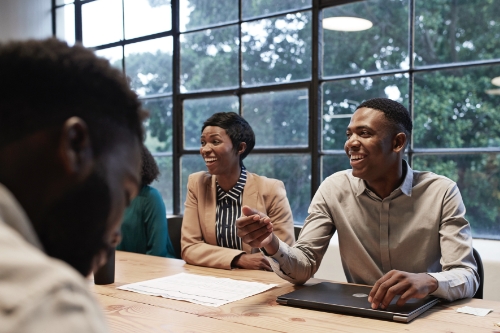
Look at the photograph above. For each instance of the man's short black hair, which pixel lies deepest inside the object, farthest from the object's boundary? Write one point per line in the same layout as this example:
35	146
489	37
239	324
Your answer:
43	83
237	128
394	112
149	169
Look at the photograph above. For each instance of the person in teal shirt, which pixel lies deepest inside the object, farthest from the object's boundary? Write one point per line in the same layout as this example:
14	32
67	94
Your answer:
144	228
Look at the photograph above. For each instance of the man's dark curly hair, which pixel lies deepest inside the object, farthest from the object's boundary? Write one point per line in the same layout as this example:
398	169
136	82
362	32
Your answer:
149	170
394	112
43	83
237	128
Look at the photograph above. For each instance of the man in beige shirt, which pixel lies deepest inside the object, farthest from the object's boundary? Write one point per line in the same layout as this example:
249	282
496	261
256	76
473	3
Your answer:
401	230
70	132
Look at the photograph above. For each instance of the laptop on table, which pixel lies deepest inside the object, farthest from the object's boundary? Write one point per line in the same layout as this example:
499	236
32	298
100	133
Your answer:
353	300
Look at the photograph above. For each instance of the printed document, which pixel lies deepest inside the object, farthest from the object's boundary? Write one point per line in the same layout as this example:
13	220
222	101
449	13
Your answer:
199	289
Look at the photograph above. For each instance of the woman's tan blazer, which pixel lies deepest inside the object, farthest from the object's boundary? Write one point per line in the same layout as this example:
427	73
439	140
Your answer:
198	240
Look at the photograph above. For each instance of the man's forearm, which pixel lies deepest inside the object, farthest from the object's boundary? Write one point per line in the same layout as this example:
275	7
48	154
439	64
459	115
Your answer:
456	283
290	263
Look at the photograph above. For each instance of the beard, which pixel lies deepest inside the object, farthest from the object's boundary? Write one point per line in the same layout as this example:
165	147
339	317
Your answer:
73	229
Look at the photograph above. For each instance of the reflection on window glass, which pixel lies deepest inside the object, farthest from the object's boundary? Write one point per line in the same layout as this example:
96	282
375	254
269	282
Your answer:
456	31
277	49
252	8
149	66
457	108
209	59
341	98
146	17
333	163
62	2
278	118
164	183
478	178
65	24
292	169
158	125
114	56
382	47
196	14
102	22
189	164
196	111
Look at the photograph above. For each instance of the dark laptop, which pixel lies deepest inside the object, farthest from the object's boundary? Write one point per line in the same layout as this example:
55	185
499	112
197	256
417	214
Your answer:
353	300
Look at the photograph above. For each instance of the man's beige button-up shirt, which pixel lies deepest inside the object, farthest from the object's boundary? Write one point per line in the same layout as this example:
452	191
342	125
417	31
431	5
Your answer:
419	228
38	293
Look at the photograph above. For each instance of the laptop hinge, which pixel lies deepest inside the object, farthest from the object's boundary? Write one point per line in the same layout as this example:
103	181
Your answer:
400	319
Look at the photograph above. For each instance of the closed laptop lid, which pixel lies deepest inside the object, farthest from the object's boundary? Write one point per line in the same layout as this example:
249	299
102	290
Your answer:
353	299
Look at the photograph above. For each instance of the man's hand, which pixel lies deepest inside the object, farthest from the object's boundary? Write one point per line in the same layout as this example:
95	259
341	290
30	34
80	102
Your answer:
408	285
254	228
252	261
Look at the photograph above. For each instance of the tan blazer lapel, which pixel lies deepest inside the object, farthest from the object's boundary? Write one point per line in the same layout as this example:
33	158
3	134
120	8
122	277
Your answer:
210	206
251	199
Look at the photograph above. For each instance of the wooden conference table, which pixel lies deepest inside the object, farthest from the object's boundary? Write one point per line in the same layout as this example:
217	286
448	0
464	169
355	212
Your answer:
132	312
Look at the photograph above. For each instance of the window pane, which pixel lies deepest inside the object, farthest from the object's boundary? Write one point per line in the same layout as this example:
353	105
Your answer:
278	118
209	59
164	183
454	31
149	66
196	14
146	17
333	163
159	124
196	111
189	164
277	49
65	24
457	108
252	8
114	55
62	2
478	178
102	22
382	47
294	170
341	98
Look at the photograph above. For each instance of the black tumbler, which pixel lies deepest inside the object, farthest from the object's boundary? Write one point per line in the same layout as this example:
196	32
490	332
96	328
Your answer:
106	274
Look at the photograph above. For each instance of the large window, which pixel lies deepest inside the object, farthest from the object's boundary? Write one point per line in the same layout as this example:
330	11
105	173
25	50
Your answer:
296	70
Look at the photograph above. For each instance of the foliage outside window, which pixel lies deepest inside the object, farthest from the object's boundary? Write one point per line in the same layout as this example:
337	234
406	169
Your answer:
437	57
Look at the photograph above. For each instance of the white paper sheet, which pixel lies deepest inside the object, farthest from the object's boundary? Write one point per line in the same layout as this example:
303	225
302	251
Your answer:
474	311
199	289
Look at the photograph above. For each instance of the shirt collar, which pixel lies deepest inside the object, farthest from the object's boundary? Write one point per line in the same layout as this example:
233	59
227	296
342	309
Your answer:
406	186
13	215
237	189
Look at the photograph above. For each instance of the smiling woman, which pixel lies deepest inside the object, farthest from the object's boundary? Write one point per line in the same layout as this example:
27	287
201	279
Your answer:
215	199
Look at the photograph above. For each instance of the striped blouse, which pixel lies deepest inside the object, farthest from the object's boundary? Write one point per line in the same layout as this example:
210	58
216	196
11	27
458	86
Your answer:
227	211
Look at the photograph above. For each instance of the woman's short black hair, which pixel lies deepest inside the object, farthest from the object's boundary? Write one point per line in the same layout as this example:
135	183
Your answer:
149	170
237	128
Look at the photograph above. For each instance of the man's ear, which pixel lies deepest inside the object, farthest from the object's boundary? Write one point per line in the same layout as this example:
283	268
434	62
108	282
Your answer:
242	148
75	147
399	142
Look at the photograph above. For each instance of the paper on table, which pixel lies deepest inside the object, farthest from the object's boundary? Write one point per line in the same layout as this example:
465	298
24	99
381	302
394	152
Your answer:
474	311
199	289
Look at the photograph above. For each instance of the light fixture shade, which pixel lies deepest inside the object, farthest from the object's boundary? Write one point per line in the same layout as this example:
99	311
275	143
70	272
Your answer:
496	81
346	23
492	91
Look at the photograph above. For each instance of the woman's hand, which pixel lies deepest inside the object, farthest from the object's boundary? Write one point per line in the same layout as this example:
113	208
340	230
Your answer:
252	261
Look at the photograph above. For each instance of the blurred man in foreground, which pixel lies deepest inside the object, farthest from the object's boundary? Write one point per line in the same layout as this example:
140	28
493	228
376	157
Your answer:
70	132
401	230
